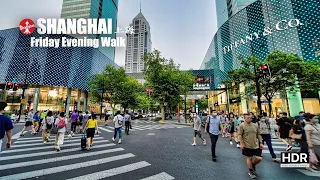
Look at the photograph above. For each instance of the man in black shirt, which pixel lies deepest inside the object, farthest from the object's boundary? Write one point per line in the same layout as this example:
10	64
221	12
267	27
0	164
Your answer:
284	127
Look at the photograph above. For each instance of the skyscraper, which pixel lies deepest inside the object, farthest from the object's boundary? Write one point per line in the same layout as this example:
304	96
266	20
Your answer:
227	8
93	9
138	44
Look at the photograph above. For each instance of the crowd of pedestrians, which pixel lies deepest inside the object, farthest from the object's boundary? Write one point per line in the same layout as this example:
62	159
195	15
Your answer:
251	132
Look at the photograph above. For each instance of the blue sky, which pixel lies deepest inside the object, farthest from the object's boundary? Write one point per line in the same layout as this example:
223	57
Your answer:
180	29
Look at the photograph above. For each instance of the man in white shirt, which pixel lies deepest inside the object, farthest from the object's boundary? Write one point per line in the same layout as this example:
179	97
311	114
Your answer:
117	122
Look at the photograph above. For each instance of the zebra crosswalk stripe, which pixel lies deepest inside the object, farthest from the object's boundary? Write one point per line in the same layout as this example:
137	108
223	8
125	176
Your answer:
42	172
113	171
52	142
104	129
46	147
162	176
57	159
37	154
38	139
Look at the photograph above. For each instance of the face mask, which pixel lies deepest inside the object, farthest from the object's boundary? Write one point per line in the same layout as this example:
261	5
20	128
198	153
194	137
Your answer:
215	114
316	121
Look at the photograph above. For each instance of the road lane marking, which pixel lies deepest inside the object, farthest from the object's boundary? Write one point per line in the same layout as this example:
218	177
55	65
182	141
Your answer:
50	152
43	172
45	147
104	129
160	176
57	159
113	171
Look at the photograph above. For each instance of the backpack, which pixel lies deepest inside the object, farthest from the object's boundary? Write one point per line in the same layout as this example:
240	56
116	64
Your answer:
119	121
49	126
61	123
208	126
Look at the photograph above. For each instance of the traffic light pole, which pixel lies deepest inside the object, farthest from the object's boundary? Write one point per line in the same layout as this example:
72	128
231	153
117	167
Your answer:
25	86
258	90
185	108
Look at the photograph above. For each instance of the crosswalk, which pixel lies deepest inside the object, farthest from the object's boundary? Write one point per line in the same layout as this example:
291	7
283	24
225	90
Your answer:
142	127
30	158
144	121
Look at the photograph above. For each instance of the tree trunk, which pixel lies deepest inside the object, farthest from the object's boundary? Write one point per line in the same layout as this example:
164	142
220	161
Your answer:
162	113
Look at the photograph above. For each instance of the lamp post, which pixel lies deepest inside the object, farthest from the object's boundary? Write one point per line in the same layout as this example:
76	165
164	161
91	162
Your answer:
24	87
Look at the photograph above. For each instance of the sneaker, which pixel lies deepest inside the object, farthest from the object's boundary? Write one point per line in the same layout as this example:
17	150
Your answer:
194	144
238	145
44	142
214	159
113	139
119	141
289	148
58	149
204	142
231	143
275	160
252	175
312	170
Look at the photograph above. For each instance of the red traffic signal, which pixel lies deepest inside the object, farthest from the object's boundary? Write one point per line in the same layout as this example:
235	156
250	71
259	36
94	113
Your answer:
264	70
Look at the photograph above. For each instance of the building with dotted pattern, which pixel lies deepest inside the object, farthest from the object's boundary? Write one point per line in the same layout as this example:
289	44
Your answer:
260	28
56	77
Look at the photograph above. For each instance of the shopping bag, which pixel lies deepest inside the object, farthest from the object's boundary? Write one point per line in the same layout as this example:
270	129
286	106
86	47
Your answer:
54	130
313	158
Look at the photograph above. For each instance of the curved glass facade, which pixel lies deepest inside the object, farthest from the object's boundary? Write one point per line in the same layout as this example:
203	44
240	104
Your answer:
69	66
262	27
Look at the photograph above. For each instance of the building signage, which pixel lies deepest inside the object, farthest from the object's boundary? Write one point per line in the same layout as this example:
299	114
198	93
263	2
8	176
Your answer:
202	83
280	26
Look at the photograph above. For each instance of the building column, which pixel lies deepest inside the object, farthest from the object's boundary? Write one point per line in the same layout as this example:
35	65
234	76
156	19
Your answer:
36	98
295	101
78	100
243	98
68	101
85	101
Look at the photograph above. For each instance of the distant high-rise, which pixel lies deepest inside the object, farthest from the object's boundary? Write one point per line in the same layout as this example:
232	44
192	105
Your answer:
226	8
138	44
93	9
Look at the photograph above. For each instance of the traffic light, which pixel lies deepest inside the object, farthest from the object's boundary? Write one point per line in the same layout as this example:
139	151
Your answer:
182	101
9	85
196	103
264	70
15	87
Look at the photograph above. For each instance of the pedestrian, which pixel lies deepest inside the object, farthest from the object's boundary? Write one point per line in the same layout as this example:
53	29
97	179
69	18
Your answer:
5	126
29	122
13	117
312	129
265	129
231	127
42	117
238	121
74	122
61	122
117	123
284	127
36	121
48	121
274	127
79	122
300	134
212	127
85	119
197	130
91	128
249	134
127	121
223	122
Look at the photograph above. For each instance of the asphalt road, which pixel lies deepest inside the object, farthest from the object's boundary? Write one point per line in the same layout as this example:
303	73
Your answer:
151	150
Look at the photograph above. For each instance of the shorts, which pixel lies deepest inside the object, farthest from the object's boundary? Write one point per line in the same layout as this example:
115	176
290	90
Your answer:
284	134
90	132
36	123
79	123
196	132
252	152
28	123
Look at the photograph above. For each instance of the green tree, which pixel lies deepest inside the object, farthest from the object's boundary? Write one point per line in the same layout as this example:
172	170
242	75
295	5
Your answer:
283	72
165	79
203	104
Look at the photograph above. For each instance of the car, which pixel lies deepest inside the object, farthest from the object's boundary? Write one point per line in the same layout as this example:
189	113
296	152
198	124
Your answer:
136	115
143	115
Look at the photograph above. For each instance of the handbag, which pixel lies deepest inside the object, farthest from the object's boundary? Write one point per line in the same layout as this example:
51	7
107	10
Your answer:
313	158
294	136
